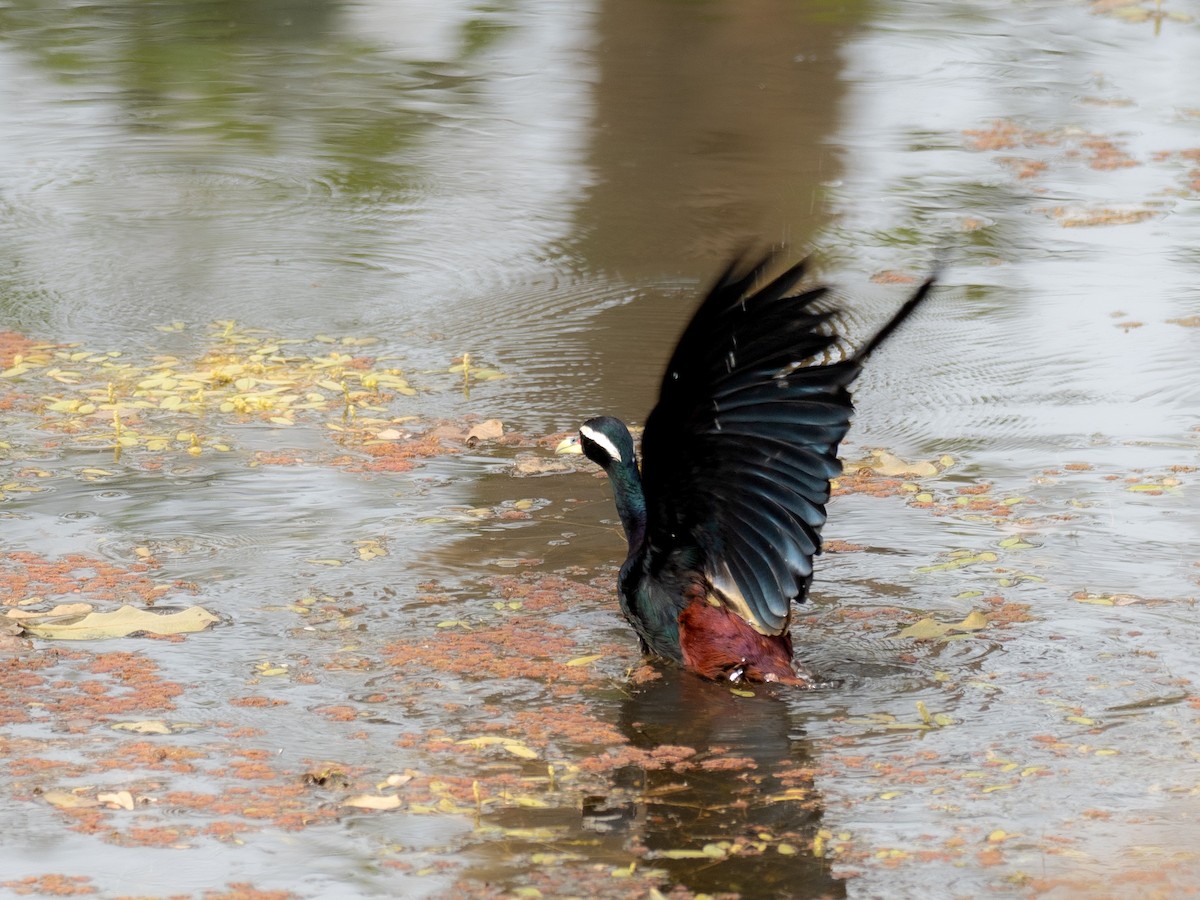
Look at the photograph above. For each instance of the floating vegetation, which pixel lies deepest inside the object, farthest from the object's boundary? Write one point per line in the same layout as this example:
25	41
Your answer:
123	622
929	629
166	403
1136	12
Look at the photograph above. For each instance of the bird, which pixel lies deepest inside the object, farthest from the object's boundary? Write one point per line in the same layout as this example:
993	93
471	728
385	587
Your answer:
724	515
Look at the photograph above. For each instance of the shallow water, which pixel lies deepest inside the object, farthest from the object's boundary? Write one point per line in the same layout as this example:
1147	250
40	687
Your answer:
546	187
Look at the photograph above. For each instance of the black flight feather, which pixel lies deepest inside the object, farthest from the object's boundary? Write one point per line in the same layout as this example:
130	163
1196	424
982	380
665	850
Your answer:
739	450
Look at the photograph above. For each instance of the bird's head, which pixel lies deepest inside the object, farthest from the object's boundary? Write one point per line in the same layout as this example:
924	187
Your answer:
604	440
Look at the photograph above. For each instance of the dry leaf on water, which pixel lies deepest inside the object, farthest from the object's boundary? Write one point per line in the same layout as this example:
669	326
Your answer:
123	622
927	628
122	799
374	801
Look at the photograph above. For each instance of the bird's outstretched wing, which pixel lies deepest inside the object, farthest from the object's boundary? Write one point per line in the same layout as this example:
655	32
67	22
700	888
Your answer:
738	452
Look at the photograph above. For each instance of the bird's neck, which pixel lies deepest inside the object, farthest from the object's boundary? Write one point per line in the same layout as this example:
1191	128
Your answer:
630	500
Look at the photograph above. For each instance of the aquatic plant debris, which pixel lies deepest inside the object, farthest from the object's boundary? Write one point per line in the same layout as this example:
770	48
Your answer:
123	622
166	403
927	629
498	765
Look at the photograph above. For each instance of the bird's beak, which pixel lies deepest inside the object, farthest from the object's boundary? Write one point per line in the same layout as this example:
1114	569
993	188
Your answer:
569	445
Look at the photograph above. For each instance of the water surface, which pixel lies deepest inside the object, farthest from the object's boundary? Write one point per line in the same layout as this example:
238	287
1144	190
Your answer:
362	189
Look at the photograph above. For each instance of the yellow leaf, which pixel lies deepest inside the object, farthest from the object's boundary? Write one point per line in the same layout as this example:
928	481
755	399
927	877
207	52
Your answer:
789	794
447	805
368	550
973	622
681	854
485	741
68	800
923	629
927	628
584	660
960	558
1015	542
374	801
150	726
124	621
15	487
62	609
512	745
325	562
122	799
818	845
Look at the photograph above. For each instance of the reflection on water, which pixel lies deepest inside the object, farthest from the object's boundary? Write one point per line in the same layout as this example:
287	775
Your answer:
543	185
713	800
297	162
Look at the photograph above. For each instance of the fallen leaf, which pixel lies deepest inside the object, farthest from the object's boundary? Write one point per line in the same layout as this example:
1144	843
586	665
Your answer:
122	799
68	800
681	854
513	746
489	430
584	660
374	801
63	609
926	629
520	750
123	622
881	462
958	560
150	726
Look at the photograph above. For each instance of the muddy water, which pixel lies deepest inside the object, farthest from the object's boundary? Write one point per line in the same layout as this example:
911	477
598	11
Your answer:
544	186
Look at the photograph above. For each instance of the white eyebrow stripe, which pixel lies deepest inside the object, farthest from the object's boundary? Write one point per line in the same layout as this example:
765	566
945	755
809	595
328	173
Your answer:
609	447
